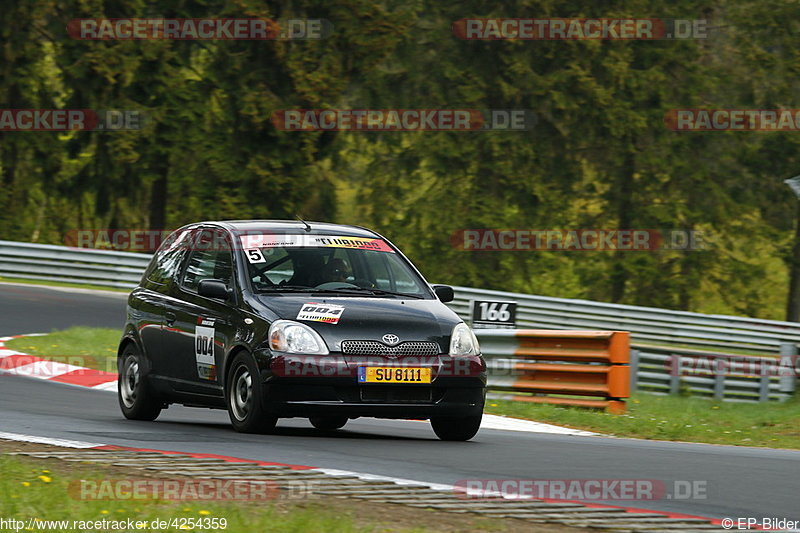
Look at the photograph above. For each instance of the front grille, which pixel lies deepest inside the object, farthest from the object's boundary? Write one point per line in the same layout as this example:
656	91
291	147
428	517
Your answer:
409	348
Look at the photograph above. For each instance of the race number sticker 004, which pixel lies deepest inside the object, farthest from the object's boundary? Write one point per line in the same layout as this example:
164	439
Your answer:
204	348
315	312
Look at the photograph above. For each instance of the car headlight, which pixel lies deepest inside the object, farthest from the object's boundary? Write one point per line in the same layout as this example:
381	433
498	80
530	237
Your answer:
463	341
293	337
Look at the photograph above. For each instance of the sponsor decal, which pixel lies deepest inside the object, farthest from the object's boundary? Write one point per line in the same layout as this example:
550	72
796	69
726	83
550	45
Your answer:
316	312
252	242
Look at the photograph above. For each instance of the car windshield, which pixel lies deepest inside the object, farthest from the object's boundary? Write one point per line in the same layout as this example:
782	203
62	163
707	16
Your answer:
353	266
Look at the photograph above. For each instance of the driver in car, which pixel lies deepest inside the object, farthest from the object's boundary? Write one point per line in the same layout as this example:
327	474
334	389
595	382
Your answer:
335	270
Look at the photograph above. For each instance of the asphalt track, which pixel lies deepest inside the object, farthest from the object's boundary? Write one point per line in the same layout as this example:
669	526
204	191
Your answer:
741	482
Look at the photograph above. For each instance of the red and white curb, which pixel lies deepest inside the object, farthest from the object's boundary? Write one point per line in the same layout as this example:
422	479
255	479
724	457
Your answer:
22	364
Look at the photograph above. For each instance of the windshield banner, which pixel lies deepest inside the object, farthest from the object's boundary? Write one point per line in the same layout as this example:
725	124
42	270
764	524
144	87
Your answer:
250	242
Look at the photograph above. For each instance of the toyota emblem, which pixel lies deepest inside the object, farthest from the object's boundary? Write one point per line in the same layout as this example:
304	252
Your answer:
391	339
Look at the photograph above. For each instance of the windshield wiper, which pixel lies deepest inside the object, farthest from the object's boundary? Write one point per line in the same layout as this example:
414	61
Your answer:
357	290
343	290
287	288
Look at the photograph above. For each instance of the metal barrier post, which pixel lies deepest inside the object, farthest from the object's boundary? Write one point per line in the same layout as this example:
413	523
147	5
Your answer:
788	383
719	384
634	369
675	375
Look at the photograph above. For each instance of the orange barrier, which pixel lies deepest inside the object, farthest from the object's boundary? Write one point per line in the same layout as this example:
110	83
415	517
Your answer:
579	368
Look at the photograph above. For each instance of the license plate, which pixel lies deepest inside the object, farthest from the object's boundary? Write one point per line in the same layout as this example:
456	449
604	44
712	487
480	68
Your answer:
393	374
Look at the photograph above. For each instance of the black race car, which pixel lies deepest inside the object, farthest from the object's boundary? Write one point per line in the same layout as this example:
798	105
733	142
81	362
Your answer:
272	319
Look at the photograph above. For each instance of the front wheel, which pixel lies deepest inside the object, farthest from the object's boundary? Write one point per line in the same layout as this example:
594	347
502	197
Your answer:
136	399
456	428
328	423
244	397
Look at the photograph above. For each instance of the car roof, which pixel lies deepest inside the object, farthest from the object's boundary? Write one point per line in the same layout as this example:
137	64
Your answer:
292	226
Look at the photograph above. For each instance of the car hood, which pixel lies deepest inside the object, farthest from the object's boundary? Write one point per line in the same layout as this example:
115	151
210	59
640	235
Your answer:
371	318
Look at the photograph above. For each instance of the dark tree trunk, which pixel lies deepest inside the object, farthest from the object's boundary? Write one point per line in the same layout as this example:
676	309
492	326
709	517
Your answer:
793	303
158	203
625	202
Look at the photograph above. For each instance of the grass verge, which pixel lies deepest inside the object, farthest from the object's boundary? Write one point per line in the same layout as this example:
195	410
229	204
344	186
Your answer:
676	418
48	283
88	347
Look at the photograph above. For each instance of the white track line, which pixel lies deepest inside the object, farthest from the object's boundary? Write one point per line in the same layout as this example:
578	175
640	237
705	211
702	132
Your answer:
64	443
529	426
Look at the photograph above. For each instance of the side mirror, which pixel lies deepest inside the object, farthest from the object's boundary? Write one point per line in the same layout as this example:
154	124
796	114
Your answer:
444	293
213	288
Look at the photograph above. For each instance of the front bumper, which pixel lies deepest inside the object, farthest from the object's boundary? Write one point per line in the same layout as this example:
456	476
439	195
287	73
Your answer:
329	386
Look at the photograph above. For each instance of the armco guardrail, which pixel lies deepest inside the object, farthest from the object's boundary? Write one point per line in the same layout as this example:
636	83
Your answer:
646	324
578	368
71	265
727	377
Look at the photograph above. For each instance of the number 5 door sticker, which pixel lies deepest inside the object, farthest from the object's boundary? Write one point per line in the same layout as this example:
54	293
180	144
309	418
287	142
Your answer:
254	255
204	348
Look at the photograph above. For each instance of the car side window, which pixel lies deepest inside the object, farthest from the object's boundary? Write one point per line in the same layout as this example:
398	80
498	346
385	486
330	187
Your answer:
378	272
208	260
168	258
401	279
277	268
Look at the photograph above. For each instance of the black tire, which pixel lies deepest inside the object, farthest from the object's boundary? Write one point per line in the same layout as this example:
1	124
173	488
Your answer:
136	398
456	428
244	397
328	423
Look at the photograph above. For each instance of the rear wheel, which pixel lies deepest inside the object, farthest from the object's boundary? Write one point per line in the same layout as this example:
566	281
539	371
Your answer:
328	422
244	397
136	399
456	428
